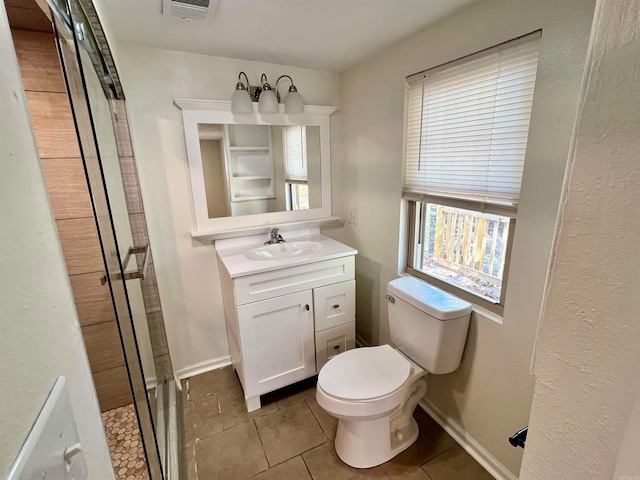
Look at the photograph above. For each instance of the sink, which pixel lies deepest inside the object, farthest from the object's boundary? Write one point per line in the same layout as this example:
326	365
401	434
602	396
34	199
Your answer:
279	251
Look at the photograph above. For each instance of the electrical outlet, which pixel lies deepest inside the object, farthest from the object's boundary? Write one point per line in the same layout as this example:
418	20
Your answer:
352	215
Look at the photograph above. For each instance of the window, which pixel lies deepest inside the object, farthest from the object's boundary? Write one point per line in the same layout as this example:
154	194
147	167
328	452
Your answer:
466	130
295	154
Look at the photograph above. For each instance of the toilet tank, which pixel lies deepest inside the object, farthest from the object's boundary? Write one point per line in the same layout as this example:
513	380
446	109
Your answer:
427	324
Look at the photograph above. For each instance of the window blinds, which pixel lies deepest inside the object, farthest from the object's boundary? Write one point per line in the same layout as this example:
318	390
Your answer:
466	127
295	144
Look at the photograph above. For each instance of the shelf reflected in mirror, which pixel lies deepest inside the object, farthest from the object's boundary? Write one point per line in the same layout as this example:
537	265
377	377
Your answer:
254	169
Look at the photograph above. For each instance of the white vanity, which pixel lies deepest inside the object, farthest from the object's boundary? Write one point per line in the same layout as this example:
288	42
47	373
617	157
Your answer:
289	307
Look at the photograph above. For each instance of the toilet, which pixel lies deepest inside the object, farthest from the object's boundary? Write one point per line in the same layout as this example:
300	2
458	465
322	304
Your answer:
373	391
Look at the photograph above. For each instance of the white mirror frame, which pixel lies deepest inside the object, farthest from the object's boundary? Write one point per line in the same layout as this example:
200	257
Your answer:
196	112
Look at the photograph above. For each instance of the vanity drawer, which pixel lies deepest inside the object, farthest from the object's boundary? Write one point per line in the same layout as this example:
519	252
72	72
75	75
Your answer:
334	341
334	305
253	288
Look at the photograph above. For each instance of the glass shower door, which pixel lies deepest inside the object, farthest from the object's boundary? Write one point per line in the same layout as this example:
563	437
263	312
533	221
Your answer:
125	262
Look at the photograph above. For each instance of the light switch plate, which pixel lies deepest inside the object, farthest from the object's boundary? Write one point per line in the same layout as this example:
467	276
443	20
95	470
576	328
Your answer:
55	432
352	215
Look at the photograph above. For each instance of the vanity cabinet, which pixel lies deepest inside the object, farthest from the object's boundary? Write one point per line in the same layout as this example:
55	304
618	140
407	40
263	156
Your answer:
284	325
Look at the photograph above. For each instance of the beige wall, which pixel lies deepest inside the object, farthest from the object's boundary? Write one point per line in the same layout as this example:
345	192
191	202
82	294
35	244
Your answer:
489	397
41	337
186	269
585	418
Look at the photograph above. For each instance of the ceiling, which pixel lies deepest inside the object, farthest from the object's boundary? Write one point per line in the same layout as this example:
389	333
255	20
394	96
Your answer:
319	34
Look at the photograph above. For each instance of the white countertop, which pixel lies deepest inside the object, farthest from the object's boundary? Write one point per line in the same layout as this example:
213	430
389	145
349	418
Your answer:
231	252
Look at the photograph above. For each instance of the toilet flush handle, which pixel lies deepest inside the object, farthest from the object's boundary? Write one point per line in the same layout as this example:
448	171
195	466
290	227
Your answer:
390	299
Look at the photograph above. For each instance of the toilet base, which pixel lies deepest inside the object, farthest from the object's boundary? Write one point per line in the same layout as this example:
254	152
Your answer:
366	444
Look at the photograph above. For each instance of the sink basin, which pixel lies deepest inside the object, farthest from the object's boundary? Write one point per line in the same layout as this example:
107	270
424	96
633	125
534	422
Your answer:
279	251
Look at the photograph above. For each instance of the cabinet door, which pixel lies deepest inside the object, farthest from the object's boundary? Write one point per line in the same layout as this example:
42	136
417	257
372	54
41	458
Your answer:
334	305
277	341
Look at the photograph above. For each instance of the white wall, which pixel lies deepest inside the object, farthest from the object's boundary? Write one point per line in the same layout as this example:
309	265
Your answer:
489	397
585	418
186	269
41	337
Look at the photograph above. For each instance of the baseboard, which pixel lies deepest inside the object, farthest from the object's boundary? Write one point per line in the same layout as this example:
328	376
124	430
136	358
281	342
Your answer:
473	448
202	367
172	459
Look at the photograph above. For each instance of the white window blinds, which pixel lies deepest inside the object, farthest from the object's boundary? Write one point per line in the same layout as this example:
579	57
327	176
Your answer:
466	127
295	144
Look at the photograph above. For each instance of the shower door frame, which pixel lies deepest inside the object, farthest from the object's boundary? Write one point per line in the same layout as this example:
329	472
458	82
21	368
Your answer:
66	33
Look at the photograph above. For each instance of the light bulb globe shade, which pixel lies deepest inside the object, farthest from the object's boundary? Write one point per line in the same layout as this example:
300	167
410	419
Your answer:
293	104
267	102
241	102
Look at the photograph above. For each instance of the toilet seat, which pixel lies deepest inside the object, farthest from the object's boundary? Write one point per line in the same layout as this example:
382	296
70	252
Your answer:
364	382
364	374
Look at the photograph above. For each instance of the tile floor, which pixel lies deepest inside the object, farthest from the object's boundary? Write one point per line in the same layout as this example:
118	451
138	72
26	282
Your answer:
125	445
291	438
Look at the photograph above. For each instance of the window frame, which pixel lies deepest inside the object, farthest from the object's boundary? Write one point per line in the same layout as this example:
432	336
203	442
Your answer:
415	220
416	205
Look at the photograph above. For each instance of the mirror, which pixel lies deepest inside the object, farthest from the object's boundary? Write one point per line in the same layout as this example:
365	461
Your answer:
254	169
251	171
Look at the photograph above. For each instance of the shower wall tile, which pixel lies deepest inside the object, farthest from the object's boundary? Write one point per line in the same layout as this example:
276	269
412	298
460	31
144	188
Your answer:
150	291
157	333
67	187
92	299
53	125
138	228
163	367
38	59
112	391
104	349
123	139
80	245
131	185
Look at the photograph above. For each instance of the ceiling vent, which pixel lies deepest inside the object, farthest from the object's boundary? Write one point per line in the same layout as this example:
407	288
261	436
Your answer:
189	9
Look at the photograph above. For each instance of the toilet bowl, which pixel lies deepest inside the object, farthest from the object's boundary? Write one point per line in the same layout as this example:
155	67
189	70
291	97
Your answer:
373	391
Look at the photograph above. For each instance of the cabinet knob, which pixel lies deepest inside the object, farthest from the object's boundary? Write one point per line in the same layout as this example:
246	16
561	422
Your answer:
307	307
336	306
336	347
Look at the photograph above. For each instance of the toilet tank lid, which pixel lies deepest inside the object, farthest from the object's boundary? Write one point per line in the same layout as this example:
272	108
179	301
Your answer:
437	303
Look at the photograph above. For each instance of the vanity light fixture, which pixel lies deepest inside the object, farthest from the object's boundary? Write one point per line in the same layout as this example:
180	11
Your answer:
241	98
293	104
267	97
267	101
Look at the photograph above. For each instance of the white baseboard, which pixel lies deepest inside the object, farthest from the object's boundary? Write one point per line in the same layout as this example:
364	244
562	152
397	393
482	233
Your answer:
473	448
202	367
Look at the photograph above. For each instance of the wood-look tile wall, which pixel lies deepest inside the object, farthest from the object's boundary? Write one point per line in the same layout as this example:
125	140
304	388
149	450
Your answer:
57	143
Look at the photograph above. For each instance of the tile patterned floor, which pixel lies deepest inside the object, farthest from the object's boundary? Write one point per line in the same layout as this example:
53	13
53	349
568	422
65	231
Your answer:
125	445
291	438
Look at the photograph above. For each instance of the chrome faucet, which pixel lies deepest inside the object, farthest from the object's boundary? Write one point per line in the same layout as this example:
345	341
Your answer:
275	237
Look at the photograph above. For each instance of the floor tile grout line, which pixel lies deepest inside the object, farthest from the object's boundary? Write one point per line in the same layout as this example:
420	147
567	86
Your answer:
436	456
317	420
307	466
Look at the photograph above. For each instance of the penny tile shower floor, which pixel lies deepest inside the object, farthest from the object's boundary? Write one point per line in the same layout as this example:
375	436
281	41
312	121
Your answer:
125	446
291	438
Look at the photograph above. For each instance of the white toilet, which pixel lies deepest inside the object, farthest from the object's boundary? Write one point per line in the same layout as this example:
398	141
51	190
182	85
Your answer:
373	391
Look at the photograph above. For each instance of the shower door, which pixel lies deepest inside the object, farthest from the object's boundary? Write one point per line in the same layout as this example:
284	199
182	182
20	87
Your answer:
125	263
